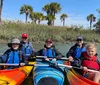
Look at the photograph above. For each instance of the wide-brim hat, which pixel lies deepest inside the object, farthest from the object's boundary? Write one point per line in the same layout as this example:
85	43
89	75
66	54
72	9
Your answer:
14	41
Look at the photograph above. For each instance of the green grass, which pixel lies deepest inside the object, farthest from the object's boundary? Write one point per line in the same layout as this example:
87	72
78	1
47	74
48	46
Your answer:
38	33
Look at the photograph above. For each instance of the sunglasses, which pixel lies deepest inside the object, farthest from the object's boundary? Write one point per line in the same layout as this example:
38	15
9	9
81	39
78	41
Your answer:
79	39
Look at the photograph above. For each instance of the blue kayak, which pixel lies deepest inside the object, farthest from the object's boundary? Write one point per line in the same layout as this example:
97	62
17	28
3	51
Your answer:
47	75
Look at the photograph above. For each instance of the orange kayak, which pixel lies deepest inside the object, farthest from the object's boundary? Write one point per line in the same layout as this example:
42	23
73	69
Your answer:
15	76
75	79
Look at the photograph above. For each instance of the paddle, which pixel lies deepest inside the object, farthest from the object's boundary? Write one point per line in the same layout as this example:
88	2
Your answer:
43	57
60	65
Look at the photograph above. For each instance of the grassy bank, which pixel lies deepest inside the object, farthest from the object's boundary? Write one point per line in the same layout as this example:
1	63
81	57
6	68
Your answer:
38	33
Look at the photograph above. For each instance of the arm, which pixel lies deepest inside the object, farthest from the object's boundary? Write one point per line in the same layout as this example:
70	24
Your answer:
4	57
39	53
70	52
58	54
32	47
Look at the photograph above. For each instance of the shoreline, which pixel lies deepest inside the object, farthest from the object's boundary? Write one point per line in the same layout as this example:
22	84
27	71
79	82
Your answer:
42	42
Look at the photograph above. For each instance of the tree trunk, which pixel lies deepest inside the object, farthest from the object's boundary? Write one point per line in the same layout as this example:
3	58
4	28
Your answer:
90	24
1	4
26	17
0	14
35	21
39	21
54	20
63	23
50	23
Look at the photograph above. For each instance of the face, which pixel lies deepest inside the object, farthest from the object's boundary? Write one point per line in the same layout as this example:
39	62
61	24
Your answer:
79	42
15	46
24	39
49	44
91	51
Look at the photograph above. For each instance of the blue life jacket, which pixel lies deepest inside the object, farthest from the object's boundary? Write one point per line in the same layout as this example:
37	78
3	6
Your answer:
78	51
50	53
26	51
13	57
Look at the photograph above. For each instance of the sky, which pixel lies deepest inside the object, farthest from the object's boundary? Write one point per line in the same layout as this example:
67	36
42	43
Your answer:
77	10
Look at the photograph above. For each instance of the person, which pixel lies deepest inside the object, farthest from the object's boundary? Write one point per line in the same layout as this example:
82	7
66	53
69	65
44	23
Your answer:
27	49
89	60
76	50
13	54
49	50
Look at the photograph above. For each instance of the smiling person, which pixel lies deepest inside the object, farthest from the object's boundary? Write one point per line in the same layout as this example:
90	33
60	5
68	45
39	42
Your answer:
27	49
89	60
76	50
13	54
49	50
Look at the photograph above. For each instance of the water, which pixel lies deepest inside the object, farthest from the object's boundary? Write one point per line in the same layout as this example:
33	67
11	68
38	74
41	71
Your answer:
63	48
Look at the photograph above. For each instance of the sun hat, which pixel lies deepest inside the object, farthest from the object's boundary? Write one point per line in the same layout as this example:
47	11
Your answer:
14	41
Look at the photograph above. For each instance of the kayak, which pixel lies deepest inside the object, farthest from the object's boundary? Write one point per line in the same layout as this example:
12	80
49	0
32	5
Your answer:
15	76
47	75
73	78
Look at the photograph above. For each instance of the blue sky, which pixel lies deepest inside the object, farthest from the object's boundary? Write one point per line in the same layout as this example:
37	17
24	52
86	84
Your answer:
77	10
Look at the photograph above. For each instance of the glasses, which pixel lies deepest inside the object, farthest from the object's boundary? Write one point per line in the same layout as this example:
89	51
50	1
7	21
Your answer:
79	40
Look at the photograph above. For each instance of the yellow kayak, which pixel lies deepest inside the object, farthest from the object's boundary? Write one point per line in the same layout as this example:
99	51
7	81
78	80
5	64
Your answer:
15	76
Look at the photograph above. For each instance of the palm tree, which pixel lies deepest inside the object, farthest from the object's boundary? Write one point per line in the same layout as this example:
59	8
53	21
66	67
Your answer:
40	17
33	17
62	18
46	8
91	18
27	10
55	8
36	16
50	18
1	5
52	9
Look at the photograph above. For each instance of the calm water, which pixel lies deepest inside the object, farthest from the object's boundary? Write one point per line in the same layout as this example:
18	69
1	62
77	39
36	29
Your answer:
63	48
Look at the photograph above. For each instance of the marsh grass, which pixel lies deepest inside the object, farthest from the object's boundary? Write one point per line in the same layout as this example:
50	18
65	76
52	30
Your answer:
38	33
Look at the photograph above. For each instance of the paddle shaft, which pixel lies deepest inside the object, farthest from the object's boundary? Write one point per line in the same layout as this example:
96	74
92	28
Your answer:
61	65
68	66
43	57
7	64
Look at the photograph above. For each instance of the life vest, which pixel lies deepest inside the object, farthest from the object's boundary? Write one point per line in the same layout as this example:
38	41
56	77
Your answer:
50	53
90	62
78	51
13	57
26	50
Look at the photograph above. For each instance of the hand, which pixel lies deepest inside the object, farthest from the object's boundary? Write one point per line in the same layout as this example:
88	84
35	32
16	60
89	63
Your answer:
85	68
47	59
54	59
22	64
71	58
